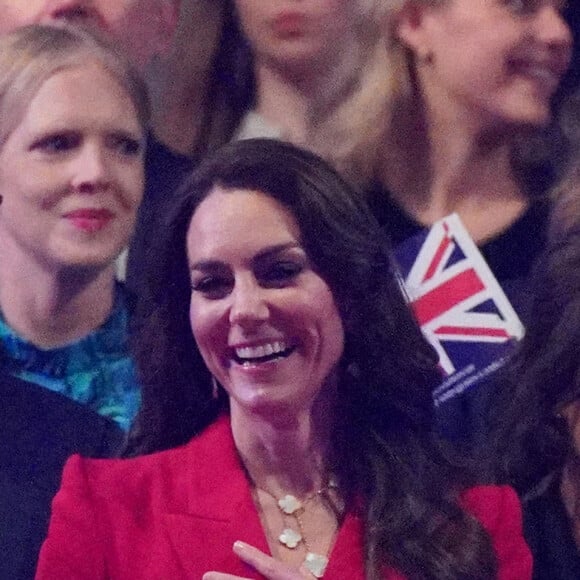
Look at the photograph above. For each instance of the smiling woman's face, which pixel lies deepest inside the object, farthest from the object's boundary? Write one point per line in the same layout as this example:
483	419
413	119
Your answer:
71	172
264	321
496	61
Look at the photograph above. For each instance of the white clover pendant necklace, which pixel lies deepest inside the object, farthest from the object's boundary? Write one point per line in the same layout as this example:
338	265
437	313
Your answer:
292	507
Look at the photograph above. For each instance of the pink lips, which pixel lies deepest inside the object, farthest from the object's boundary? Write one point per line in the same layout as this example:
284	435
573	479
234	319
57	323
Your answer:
89	220
289	23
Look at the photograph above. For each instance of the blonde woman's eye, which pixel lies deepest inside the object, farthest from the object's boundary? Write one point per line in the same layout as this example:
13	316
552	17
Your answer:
56	143
125	144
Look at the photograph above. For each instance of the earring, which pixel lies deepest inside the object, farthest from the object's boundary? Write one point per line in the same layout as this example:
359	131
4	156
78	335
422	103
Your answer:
214	388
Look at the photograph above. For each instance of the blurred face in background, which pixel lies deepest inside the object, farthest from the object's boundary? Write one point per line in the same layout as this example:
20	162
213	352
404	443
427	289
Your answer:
302	33
142	28
71	172
494	62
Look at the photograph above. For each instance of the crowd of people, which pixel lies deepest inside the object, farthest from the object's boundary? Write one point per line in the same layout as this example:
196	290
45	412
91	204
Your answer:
210	366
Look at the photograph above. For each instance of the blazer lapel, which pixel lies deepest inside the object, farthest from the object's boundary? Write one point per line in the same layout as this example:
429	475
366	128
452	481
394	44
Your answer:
219	508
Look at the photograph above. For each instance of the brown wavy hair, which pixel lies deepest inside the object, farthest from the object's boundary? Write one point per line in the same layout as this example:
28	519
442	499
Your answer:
384	448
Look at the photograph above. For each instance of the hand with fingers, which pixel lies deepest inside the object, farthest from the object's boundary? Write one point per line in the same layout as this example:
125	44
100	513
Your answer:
270	568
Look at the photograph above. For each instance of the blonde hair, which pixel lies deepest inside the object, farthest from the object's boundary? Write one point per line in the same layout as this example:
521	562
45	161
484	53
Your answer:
32	54
351	133
347	129
532	150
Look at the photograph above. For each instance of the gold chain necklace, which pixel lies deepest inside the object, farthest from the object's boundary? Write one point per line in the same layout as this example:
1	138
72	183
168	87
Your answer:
290	506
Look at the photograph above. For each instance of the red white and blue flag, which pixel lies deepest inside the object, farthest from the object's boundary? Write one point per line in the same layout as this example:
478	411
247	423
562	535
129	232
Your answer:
461	308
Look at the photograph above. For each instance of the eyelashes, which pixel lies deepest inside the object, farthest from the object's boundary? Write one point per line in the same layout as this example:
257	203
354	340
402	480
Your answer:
64	142
279	274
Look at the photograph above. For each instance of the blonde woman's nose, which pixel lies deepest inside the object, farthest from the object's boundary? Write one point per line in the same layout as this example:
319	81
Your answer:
90	170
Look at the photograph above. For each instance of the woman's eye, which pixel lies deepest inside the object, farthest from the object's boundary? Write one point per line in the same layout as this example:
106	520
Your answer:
518	6
530	6
211	287
57	143
280	273
125	145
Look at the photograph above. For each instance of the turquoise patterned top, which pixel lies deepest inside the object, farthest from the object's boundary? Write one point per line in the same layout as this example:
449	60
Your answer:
96	371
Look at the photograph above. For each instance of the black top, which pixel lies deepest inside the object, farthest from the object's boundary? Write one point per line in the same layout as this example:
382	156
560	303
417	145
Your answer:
164	172
512	256
549	535
39	430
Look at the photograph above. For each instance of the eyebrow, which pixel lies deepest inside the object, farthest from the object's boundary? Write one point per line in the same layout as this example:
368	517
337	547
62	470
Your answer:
263	254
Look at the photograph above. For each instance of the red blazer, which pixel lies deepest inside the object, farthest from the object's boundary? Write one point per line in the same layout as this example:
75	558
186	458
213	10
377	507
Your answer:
176	514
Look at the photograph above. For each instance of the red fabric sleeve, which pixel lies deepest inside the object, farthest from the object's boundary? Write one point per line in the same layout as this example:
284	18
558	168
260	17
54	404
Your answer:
499	511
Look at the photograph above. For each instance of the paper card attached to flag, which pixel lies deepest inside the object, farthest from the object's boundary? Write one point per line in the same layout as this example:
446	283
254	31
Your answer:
460	306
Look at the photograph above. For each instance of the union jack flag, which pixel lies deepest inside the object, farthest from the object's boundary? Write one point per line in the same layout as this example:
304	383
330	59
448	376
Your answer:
460	306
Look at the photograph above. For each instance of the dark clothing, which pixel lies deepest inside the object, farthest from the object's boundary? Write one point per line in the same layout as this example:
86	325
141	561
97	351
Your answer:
39	430
164	172
548	533
511	256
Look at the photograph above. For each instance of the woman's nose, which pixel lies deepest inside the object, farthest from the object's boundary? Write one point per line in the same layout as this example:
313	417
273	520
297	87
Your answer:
70	10
553	29
248	307
90	170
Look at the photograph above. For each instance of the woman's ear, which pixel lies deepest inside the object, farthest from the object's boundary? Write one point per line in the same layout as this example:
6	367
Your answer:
410	29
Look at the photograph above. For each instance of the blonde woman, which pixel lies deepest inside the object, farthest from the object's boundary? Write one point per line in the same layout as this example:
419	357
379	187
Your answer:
72	137
475	78
475	82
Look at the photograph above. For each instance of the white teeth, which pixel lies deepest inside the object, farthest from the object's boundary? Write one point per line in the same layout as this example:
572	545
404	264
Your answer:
247	352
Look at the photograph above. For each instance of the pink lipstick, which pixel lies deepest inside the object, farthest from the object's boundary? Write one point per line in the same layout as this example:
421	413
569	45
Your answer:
89	220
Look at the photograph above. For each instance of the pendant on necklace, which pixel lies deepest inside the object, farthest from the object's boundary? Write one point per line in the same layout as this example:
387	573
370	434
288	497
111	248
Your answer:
289	538
316	564
289	504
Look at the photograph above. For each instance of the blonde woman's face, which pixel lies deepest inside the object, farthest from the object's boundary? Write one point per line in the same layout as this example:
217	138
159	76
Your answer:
71	173
302	32
499	61
141	27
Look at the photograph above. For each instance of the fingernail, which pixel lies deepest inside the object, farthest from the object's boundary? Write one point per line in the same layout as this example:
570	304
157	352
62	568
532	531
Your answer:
240	546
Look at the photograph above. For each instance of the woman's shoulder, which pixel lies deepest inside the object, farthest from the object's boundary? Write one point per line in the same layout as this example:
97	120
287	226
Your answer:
121	477
498	510
149	475
490	503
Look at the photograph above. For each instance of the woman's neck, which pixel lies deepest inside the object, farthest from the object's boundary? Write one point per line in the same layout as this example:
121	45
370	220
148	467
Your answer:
444	167
296	101
54	308
282	455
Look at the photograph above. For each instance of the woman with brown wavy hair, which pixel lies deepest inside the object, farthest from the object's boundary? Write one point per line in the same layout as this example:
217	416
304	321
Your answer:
287	418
